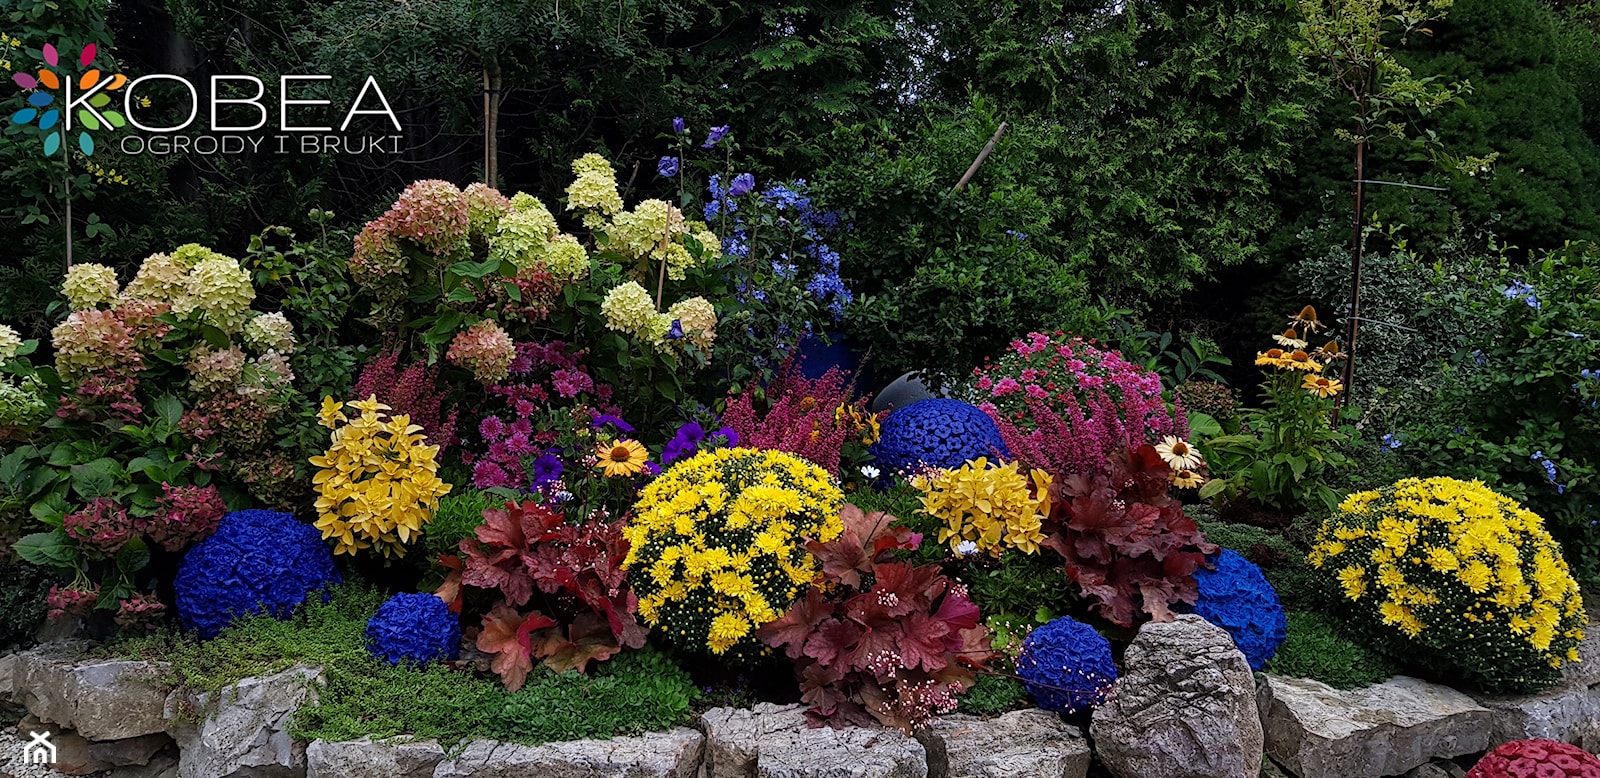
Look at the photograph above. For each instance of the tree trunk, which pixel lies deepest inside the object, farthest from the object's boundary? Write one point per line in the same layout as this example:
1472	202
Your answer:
492	81
1354	314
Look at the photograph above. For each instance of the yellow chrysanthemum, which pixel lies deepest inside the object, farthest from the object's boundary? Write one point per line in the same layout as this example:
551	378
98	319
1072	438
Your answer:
1442	551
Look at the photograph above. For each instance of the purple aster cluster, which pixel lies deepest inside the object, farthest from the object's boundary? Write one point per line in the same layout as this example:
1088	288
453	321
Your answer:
1067	666
938	433
691	437
257	562
1235	596
414	629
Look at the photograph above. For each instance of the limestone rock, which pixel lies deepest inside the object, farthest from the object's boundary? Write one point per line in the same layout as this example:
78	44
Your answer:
775	741
1568	712
245	732
1439	769
99	699
673	754
1586	671
1317	731
363	758
1021	744
1183	708
76	755
8	674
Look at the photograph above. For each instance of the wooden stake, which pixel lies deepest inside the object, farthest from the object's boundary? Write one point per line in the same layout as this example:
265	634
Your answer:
982	155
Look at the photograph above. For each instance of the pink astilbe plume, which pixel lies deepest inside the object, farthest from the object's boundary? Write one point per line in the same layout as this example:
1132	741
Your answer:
1067	407
801	418
413	391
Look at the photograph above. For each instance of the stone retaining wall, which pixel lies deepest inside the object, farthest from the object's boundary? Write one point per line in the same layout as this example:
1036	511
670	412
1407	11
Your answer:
1184	708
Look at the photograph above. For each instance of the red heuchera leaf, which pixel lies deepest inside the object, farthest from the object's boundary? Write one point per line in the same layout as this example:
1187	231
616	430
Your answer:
506	635
589	638
450	591
888	642
1126	542
791	631
527	549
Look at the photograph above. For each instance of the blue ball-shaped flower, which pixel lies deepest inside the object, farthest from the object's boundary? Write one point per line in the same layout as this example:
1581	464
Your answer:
415	629
257	562
1236	597
936	432
1067	666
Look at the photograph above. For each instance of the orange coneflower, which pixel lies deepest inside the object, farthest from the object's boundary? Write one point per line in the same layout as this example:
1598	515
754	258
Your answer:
1272	356
1321	387
1187	479
1300	360
1307	318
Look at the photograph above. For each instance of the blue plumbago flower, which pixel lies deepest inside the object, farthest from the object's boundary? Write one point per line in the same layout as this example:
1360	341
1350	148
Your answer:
1576	335
677	125
1020	236
675	332
1479	358
1521	290
1589	374
1549	470
742	184
785	271
667	167
715	136
1391	441
615	421
546	469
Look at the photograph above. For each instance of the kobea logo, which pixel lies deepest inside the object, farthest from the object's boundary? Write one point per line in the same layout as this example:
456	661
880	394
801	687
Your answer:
70	106
84	101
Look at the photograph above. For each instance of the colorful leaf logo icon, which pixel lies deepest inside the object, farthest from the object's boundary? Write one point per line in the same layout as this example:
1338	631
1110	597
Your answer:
84	100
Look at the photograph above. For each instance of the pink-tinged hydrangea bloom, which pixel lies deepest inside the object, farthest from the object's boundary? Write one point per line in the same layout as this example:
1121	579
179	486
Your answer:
485	349
215	371
139	316
1066	406
71	601
485	206
377	254
432	214
184	515
90	341
102	526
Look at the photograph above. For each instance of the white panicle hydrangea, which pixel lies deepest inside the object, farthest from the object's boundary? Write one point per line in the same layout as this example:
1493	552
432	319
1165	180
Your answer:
89	286
161	279
220	289
628	308
10	343
270	332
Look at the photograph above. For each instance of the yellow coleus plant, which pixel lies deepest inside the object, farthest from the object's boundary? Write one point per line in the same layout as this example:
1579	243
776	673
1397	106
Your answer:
717	545
987	509
1462	579
377	484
